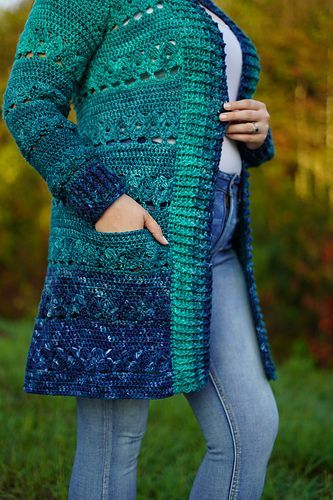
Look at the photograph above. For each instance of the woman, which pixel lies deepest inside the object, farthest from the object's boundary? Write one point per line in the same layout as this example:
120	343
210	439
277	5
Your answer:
126	316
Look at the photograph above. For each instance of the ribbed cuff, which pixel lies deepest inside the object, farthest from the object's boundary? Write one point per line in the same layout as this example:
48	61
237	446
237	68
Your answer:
255	157
92	191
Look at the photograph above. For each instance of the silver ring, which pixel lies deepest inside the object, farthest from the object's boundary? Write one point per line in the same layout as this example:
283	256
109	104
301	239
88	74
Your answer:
255	129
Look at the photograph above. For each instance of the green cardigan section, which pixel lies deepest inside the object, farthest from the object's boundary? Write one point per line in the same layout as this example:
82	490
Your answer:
121	315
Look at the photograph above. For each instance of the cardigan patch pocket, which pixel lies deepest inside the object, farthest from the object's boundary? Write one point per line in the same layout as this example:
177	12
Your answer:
134	251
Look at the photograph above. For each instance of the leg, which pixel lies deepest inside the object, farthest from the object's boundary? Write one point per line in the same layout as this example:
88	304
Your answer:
236	410
109	435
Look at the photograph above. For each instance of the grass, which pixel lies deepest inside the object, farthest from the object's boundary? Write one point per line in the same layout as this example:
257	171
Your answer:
37	435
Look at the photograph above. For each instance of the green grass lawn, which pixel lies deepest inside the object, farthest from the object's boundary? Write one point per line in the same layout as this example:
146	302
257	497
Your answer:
37	435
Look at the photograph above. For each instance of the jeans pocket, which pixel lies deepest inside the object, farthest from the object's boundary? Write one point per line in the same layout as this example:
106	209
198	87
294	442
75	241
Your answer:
220	215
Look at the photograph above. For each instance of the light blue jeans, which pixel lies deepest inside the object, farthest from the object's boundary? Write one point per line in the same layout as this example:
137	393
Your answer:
236	410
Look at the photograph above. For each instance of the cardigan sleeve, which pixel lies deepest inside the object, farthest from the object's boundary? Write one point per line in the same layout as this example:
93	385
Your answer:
255	157
53	52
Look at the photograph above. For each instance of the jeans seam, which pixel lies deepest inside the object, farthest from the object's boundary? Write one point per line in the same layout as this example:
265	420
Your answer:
223	223
233	490
107	451
228	217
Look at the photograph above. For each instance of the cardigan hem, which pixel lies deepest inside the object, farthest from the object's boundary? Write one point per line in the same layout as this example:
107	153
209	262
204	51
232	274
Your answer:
84	385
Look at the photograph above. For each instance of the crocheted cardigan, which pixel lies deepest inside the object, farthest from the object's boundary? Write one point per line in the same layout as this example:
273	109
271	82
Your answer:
122	315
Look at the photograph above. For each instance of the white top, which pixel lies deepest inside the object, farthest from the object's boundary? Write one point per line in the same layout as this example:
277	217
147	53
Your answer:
230	160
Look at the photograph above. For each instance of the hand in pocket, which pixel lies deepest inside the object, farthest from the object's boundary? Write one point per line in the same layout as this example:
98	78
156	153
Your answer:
125	214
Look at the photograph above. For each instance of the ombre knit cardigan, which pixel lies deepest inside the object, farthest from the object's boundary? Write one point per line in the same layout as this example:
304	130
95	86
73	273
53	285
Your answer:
121	315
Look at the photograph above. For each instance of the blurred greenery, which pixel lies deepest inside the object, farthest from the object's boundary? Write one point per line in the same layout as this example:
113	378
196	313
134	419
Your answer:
38	434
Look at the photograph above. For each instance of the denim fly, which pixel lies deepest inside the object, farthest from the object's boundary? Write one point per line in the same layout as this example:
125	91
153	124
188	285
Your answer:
225	210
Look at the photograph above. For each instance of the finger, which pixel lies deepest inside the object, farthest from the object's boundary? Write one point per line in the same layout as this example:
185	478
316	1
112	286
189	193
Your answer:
242	116
244	104
246	128
152	225
246	137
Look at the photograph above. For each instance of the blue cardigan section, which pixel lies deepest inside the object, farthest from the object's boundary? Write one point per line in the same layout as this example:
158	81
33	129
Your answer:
120	315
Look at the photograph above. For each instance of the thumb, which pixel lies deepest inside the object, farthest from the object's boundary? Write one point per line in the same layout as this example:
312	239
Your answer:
152	225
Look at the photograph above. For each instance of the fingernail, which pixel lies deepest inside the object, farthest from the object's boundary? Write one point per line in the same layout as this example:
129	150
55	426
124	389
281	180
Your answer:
226	105
223	117
166	241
